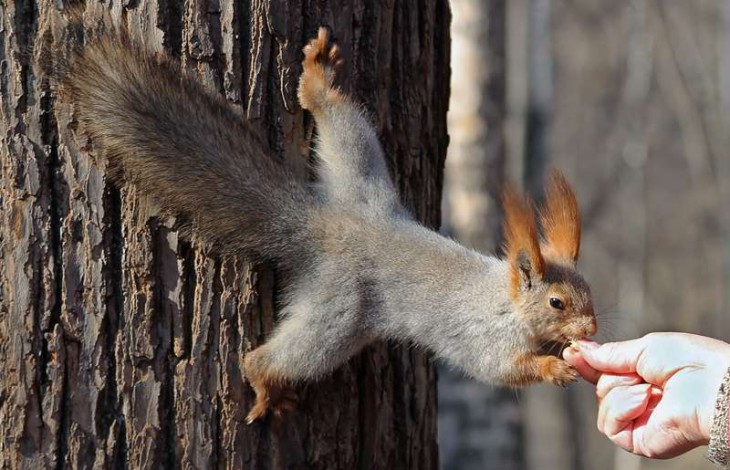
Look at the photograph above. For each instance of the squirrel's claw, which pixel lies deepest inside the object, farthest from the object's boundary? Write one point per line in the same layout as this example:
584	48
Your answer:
272	391
280	402
560	373
316	85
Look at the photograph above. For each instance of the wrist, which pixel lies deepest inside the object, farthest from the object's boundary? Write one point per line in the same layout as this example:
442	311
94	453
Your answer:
717	393
714	386
715	428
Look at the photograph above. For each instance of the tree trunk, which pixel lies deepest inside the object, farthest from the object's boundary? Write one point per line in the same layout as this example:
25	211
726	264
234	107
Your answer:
551	437
122	342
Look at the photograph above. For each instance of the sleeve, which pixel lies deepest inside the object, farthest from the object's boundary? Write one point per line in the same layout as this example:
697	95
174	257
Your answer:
719	450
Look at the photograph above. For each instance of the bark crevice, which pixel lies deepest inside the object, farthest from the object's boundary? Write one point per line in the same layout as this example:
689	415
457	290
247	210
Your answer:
127	340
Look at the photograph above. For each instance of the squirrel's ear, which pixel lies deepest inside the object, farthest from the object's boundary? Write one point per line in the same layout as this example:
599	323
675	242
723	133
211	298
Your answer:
525	272
521	243
560	220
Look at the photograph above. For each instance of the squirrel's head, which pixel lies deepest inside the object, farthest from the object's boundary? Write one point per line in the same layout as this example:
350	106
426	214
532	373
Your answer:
545	285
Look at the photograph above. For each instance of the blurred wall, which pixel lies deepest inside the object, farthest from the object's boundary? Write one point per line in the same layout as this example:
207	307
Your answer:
637	114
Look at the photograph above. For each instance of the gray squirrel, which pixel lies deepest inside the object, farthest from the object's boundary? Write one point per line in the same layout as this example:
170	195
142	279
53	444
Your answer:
359	267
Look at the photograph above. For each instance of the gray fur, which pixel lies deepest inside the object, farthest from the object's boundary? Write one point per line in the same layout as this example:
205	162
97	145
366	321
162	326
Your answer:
189	149
363	268
360	180
421	287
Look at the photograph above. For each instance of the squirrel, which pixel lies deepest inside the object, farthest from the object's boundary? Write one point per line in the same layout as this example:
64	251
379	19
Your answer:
359	267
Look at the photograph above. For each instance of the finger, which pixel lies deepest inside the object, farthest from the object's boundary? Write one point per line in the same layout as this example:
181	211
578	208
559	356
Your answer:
616	358
655	433
618	412
623	405
608	382
620	401
575	358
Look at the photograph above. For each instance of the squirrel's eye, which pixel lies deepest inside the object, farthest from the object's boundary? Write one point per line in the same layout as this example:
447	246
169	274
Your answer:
557	303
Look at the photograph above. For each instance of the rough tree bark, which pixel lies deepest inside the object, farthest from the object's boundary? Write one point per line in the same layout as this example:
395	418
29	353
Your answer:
122	342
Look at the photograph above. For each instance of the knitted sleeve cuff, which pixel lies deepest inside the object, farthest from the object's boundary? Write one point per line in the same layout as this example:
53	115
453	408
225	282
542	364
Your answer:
719	451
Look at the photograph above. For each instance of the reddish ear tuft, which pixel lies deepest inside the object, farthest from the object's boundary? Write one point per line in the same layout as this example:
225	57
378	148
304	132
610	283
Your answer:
560	219
520	234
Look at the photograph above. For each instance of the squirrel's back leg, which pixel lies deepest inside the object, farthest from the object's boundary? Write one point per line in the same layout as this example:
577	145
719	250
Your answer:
310	341
272	390
352	163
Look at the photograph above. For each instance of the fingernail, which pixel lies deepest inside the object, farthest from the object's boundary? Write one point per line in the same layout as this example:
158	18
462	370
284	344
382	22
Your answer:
570	351
586	345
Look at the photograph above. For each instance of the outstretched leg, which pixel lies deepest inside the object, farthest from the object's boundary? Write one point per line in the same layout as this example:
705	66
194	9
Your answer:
353	167
311	340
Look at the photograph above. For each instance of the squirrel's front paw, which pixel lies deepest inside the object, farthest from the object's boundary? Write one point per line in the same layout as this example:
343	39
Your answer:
321	59
558	372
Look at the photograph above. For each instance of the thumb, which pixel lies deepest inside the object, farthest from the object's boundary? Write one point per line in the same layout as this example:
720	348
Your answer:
615	358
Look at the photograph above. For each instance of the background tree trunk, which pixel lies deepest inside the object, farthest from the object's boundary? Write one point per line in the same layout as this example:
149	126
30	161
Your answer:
122	343
480	426
638	121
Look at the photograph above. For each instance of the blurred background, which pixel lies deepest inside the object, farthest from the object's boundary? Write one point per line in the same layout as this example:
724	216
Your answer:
631	99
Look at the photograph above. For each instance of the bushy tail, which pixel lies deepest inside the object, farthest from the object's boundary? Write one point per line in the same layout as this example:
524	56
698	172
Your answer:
187	148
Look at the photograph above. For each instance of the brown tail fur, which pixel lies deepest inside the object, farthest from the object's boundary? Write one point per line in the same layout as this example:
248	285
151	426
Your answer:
187	148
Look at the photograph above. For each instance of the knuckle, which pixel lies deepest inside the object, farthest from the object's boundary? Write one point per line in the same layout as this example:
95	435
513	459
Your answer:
649	337
653	339
648	452
641	448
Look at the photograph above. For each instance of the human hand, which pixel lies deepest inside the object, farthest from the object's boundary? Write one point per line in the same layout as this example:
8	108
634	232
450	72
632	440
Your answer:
656	394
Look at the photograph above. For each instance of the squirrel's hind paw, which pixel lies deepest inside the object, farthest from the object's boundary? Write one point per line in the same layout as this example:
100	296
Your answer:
277	399
272	391
316	85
